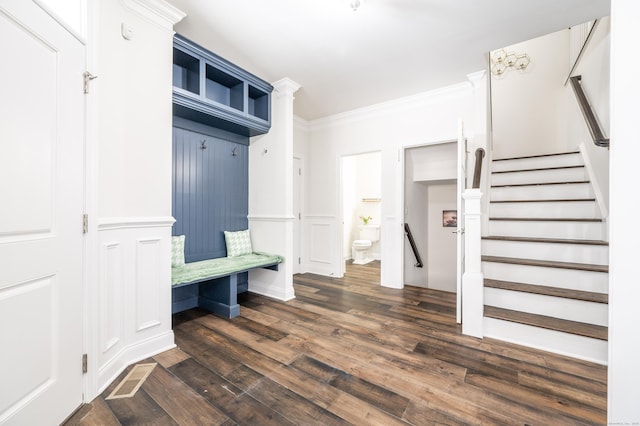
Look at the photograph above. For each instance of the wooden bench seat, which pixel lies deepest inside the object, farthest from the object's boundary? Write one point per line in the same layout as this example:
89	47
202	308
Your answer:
212	284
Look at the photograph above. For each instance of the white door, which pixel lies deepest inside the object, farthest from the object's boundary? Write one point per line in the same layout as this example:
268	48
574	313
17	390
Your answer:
41	194
297	178
462	164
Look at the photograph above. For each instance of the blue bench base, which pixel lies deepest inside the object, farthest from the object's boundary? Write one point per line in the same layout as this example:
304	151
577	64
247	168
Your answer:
218	295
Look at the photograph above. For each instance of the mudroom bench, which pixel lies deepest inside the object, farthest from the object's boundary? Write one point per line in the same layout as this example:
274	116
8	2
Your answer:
212	284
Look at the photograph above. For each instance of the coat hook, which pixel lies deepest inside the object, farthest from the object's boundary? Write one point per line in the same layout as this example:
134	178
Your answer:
203	144
233	152
265	151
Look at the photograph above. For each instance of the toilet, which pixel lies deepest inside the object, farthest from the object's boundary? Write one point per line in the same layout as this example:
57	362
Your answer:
361	253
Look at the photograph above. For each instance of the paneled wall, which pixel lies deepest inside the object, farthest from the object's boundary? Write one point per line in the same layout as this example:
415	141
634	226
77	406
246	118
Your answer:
210	187
133	292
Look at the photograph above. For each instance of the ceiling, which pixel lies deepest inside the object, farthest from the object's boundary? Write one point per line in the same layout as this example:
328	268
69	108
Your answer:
387	49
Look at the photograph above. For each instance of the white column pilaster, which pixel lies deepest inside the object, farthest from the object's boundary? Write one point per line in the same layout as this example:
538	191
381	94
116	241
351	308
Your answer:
472	279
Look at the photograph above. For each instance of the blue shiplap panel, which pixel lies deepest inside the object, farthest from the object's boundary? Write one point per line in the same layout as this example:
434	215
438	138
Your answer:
210	191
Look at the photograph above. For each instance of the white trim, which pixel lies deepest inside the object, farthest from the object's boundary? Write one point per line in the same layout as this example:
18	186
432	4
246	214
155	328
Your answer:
319	216
395	106
594	182
105	224
158	12
270	218
301	124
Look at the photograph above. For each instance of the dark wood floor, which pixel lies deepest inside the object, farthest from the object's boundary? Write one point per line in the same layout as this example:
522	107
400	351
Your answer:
349	351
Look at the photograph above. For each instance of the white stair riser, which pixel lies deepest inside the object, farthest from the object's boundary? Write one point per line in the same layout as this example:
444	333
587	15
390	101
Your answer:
547	229
565	160
572	345
543	192
560	252
540	176
557	307
547	209
597	282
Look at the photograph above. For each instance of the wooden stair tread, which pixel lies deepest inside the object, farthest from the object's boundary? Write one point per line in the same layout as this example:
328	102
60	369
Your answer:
587	296
550	323
566	200
541	183
538	169
547	263
548	219
537	156
548	240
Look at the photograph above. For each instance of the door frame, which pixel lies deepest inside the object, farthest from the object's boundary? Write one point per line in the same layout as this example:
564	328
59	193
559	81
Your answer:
402	159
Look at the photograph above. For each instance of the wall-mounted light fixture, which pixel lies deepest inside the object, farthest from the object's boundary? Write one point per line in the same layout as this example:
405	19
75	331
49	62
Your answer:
503	61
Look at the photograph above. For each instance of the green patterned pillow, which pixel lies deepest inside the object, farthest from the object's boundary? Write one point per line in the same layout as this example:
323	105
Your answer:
177	250
238	243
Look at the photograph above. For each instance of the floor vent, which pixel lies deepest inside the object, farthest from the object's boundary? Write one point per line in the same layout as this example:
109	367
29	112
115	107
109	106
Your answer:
132	382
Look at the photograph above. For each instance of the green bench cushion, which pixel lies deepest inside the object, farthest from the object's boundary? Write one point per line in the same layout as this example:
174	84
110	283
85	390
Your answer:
195	272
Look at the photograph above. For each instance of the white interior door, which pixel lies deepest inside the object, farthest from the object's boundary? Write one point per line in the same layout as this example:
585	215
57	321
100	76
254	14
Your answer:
41	243
462	164
297	178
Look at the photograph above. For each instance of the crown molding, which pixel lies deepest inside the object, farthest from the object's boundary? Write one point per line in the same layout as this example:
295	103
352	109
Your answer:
394	106
158	12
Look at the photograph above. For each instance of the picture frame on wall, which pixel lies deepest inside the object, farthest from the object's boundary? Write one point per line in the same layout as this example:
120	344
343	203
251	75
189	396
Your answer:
450	218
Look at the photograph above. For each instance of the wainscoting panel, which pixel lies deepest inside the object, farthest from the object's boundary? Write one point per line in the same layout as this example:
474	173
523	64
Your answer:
111	279
134	298
148	292
323	258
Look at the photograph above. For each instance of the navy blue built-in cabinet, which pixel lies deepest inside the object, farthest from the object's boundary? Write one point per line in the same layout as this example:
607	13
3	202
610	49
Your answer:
210	90
216	108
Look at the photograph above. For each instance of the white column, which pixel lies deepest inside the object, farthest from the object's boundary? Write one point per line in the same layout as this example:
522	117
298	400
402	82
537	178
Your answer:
271	194
472	279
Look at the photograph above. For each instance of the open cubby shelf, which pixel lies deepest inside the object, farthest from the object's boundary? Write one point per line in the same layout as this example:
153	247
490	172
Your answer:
211	90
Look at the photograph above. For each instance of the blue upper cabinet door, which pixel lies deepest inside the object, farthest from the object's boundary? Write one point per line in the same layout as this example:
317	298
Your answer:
210	191
210	90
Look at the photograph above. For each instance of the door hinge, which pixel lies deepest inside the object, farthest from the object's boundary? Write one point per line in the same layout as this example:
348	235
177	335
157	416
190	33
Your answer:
299	216
299	172
87	78
299	262
84	363
85	223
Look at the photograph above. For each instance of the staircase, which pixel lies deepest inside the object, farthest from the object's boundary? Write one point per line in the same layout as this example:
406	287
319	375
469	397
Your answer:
545	262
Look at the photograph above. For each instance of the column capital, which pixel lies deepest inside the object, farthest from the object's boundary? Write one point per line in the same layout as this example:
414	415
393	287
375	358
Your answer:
285	87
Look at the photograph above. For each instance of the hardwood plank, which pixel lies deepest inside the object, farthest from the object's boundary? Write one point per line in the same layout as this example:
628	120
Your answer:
547	263
182	403
95	413
551	323
586	296
347	351
231	400
566	408
171	357
139	409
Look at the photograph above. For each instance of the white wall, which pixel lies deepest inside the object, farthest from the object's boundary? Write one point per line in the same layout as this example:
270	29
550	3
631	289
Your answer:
441	262
389	127
529	106
624	293
594	67
415	214
129	195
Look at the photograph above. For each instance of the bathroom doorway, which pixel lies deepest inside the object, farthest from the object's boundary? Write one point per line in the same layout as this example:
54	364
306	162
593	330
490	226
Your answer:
361	208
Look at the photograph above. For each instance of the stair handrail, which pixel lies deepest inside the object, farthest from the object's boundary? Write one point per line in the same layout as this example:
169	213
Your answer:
414	247
478	168
587	112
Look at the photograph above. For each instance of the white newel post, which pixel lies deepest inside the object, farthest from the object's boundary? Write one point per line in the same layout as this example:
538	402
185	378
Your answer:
472	279
271	194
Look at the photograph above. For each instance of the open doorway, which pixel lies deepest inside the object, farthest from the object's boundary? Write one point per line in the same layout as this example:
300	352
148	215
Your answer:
361	208
431	216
